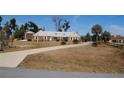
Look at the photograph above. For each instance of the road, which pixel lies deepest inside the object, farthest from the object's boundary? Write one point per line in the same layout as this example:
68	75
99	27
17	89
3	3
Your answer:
13	59
29	73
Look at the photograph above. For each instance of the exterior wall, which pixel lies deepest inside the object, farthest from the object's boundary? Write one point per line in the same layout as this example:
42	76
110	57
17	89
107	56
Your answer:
48	38
117	41
29	36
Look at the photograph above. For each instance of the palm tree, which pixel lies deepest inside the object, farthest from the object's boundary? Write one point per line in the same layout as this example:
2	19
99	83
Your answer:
96	30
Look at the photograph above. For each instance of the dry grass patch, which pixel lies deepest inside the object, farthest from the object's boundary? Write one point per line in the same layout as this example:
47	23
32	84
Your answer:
24	45
81	59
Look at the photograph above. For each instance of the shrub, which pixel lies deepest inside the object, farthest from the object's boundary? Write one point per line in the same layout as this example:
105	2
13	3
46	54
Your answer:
94	44
57	40
63	43
98	42
75	41
29	40
65	39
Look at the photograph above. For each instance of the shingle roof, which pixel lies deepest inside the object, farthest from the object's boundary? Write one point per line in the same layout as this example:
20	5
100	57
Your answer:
56	34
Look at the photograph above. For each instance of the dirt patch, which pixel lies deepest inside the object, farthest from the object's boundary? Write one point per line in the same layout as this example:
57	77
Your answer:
80	59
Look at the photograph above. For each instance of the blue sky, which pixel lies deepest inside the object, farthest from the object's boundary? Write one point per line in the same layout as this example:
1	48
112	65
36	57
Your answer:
78	23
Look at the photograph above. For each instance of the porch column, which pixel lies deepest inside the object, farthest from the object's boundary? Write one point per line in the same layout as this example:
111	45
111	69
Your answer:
37	39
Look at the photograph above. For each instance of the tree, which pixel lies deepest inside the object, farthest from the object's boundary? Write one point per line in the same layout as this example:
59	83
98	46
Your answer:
20	32
88	37
2	36
1	39
66	25
1	20
13	24
42	28
25	26
83	38
96	30
57	20
32	26
105	36
0	23
12	28
7	29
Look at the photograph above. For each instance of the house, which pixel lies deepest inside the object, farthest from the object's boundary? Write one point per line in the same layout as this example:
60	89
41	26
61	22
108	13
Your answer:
117	39
53	35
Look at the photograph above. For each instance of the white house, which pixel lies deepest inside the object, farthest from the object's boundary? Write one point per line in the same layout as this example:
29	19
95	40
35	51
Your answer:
52	35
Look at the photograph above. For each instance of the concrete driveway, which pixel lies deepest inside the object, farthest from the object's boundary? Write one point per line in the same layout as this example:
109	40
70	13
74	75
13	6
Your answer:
13	59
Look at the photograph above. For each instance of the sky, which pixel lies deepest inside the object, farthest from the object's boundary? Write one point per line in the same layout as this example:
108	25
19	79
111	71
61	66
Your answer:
78	23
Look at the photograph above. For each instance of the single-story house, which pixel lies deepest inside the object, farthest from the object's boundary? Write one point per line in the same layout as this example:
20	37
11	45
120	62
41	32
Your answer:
53	35
117	39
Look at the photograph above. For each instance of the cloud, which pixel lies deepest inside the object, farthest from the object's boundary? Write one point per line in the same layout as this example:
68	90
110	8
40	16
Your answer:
116	30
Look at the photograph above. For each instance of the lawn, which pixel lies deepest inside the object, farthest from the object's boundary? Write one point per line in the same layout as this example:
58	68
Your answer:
105	59
24	45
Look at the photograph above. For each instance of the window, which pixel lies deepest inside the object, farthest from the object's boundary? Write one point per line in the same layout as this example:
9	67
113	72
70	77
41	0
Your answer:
114	41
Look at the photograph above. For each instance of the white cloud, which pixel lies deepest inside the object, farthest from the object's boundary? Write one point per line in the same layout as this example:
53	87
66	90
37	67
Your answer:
116	29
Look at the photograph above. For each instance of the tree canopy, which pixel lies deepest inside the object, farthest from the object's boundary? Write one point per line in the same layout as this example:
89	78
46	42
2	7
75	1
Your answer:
96	29
57	20
20	32
1	19
66	25
13	23
32	26
105	36
0	22
88	37
60	24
